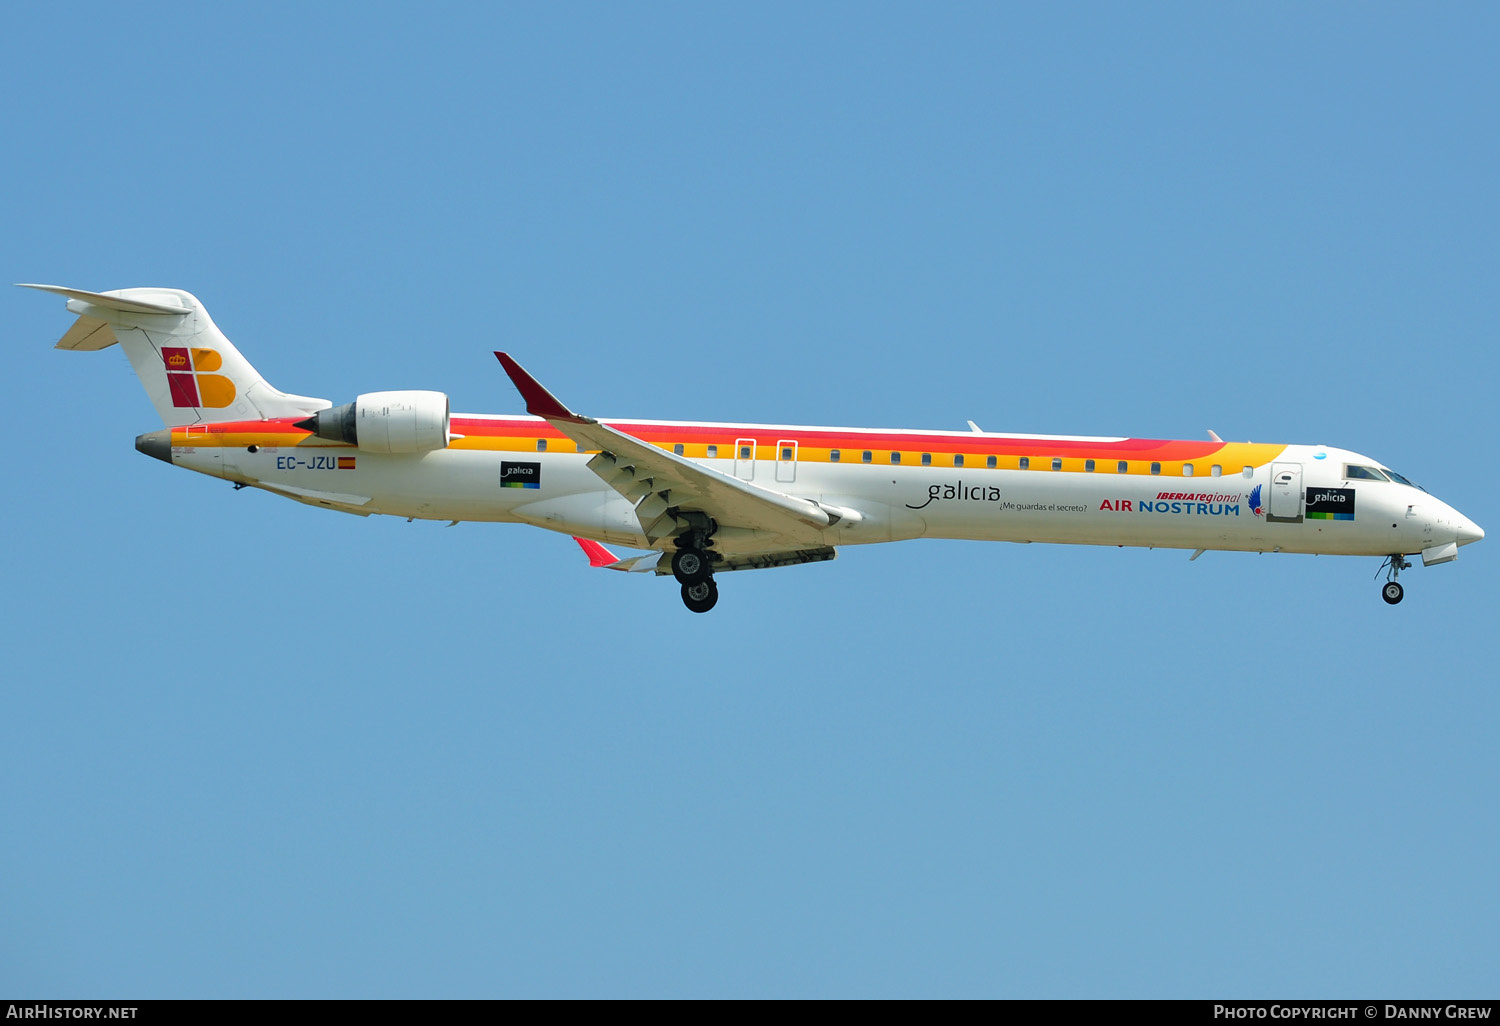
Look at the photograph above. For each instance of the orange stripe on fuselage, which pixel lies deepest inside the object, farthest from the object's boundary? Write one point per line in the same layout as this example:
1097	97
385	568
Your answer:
521	434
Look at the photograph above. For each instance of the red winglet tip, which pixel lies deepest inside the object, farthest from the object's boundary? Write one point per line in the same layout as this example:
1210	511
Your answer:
539	401
598	554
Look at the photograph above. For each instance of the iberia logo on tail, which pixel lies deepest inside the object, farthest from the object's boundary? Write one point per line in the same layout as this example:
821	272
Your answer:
190	384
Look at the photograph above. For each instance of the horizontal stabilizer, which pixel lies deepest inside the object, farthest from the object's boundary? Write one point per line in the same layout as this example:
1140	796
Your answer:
110	302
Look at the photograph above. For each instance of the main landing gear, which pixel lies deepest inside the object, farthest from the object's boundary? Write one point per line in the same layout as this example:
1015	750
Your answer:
693	566
690	566
702	596
1392	591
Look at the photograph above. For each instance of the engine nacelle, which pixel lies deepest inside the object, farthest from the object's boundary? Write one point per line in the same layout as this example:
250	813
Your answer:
406	421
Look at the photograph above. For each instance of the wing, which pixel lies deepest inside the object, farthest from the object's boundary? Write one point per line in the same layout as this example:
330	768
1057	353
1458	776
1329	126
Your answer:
664	485
652	562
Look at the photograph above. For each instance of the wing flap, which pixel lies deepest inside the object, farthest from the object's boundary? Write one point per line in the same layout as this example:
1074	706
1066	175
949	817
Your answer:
767	560
660	482
341	500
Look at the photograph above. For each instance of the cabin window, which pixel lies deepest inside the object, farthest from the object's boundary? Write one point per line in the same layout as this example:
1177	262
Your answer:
1248	472
541	445
865	457
895	457
578	446
958	460
677	449
833	455
744	452
1187	470
1156	468
927	459
786	452
1025	462
1215	470
713	452
1088	465
1122	467
989	461
1057	463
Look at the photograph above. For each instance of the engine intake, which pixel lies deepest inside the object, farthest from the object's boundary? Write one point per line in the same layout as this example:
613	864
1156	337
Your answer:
406	421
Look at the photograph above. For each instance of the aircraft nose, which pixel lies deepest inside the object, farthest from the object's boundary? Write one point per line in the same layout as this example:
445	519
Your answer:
1468	531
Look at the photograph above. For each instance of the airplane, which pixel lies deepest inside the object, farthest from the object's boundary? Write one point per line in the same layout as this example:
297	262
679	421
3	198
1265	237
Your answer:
708	498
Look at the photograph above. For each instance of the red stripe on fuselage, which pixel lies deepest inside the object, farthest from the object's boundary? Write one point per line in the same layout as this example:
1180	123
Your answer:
1164	449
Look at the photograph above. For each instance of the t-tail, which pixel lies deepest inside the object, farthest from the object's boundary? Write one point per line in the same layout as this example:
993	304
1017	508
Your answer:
191	372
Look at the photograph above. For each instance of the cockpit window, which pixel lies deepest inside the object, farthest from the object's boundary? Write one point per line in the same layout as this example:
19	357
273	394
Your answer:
1401	480
1363	473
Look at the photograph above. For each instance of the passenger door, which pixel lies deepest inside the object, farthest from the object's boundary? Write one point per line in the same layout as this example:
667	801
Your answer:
744	459
786	460
1286	493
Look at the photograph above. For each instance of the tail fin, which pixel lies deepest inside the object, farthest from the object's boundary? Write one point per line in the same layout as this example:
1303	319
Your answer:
192	373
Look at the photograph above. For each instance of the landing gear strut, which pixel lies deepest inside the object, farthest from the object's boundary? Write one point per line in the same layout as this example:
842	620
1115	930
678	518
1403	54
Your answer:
1392	591
693	566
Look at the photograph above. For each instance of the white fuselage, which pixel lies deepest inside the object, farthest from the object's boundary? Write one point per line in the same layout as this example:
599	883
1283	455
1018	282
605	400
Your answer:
1297	501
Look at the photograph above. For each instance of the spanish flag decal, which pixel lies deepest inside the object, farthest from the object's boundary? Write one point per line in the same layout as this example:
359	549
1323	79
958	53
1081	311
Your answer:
346	462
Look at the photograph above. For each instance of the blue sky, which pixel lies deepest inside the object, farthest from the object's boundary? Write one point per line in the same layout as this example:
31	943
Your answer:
256	749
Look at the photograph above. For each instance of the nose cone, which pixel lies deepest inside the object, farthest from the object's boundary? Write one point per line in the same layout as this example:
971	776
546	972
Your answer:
157	444
1468	531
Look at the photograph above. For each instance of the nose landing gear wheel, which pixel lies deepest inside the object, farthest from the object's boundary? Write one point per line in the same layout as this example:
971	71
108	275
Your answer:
690	566
700	596
1392	592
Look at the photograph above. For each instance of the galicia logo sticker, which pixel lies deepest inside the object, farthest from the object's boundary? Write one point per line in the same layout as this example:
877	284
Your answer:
190	385
520	475
1254	502
1330	504
967	493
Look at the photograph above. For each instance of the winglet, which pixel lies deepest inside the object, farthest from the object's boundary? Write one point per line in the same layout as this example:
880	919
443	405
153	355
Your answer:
598	554
539	401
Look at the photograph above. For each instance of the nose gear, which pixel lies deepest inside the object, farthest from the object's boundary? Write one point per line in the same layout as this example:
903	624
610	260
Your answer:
1392	591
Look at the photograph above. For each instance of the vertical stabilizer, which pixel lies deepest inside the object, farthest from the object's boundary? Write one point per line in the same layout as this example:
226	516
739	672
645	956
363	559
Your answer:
191	372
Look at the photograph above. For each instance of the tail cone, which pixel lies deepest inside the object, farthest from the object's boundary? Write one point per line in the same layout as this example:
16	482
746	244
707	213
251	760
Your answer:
156	444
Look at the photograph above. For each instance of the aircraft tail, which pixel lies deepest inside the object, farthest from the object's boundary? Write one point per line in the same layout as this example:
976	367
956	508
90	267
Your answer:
191	372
